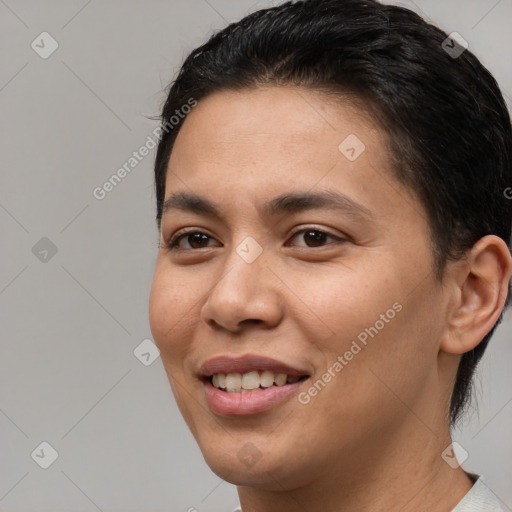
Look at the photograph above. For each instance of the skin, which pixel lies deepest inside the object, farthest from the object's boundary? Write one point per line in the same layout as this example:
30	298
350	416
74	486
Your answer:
372	438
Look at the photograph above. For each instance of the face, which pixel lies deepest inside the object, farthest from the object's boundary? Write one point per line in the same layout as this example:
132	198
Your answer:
332	295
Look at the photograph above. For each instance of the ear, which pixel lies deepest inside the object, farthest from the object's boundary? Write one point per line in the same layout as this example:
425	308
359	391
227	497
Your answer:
480	283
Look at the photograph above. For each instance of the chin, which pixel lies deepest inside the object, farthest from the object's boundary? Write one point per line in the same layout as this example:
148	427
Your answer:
247	466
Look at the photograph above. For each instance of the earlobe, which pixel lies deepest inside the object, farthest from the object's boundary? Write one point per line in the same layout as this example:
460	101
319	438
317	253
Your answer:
482	285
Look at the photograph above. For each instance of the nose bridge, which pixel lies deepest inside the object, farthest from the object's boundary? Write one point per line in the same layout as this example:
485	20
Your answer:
243	270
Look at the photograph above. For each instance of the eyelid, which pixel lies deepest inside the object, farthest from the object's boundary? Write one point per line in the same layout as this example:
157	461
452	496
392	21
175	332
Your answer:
312	227
182	233
172	244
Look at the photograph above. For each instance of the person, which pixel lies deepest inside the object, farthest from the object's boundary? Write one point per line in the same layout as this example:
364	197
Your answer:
331	191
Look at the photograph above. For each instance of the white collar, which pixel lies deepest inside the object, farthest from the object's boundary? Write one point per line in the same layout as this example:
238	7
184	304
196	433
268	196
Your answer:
479	498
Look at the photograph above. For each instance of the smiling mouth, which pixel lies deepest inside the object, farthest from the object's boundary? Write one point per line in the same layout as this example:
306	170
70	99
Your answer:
253	381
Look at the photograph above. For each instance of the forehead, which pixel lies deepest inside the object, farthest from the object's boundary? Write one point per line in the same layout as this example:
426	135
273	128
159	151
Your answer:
274	121
259	143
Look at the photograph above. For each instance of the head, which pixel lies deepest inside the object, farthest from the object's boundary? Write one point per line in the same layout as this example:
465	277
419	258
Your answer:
360	99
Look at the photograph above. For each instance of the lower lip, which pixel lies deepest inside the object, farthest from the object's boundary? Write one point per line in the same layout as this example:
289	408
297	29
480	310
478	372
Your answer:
254	402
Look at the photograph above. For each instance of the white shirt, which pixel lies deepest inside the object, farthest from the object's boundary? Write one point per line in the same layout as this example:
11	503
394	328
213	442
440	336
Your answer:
478	499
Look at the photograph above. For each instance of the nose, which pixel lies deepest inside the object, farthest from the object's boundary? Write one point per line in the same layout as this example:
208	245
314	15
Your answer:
245	294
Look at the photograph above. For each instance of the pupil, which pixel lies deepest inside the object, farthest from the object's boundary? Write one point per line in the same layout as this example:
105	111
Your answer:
319	238
197	238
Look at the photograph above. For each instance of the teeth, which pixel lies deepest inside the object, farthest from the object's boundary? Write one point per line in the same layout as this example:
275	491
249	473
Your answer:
251	380
247	382
221	380
233	382
280	379
267	379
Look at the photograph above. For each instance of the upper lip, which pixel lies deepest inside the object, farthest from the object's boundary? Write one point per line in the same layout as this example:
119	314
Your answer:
247	363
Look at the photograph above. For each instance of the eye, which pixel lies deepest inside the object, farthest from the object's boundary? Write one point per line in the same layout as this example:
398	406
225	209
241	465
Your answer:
316	237
198	240
193	237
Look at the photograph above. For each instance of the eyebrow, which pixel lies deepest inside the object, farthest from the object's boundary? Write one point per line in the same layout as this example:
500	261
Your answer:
288	203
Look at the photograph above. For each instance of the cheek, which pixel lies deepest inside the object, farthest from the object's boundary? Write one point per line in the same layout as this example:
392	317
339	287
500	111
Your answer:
159	302
172	296
380	328
170	308
171	324
347	300
398	360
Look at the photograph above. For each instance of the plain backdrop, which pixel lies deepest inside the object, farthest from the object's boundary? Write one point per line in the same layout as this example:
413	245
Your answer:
76	271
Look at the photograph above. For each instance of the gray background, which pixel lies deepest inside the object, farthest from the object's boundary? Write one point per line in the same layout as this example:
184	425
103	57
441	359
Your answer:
70	323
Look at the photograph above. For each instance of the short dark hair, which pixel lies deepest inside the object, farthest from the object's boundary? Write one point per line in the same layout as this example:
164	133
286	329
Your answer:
448	125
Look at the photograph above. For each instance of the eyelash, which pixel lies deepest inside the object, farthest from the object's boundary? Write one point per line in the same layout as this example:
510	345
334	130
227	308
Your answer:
175	240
